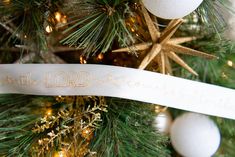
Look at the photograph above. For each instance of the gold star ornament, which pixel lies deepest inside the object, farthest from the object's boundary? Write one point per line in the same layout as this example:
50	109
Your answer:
162	47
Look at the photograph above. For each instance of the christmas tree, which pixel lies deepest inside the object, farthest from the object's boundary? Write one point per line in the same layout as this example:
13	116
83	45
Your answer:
94	78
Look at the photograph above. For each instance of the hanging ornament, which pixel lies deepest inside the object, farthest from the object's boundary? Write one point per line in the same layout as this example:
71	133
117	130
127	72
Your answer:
163	120
195	135
162	47
229	18
171	9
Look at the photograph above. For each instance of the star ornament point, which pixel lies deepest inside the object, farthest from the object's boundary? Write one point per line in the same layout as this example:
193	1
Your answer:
163	47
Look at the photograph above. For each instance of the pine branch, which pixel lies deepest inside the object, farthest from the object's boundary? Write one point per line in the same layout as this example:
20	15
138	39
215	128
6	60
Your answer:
211	14
127	131
215	71
101	24
16	119
228	137
25	19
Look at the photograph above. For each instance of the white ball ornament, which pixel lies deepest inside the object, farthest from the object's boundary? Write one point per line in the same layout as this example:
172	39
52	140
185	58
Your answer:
162	122
171	9
230	20
195	135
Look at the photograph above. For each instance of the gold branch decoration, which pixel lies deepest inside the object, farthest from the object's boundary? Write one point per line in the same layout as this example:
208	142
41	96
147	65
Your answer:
70	129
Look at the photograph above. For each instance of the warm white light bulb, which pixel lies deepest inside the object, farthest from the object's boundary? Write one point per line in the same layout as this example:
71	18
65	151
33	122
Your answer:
49	29
58	16
6	1
230	63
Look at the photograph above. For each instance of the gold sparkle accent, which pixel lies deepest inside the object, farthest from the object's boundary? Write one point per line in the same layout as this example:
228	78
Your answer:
163	47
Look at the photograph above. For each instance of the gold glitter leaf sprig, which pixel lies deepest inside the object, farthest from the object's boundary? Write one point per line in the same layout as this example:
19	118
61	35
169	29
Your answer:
71	128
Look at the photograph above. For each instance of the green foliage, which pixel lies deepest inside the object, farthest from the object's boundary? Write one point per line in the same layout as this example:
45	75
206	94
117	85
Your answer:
18	116
127	131
211	14
227	129
214	71
25	19
16	119
98	24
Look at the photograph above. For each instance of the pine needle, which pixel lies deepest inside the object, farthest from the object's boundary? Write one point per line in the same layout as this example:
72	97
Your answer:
97	29
127	131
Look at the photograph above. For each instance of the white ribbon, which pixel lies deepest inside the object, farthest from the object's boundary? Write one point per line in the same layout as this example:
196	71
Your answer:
102	80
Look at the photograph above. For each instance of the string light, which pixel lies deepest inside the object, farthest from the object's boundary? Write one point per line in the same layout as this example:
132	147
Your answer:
100	56
64	19
40	142
58	16
230	63
49	29
6	1
82	60
49	112
159	109
224	75
61	20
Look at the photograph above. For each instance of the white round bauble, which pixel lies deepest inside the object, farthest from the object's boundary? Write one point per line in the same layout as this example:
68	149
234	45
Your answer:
162	122
195	135
230	21
171	9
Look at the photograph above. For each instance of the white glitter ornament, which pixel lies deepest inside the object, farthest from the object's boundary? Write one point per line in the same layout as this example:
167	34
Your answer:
162	122
171	9
195	135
